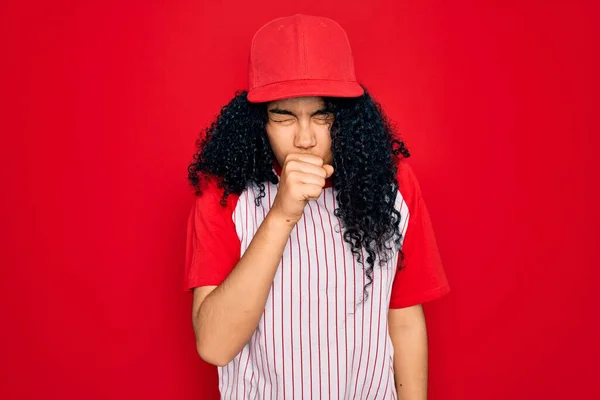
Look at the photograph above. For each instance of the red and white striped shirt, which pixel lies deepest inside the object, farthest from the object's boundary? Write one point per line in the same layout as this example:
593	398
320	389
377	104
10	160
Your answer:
317	338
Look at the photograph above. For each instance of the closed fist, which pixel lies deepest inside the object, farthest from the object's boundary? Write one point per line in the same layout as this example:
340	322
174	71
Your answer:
302	179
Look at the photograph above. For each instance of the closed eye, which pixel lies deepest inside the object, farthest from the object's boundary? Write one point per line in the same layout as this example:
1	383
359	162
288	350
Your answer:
284	121
324	118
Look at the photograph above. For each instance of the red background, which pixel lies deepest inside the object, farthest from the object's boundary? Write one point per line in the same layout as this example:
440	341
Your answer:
102	102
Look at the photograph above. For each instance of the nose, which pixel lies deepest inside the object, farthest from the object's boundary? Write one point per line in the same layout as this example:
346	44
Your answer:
305	136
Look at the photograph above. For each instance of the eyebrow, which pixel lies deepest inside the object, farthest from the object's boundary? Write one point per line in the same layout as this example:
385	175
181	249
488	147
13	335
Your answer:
280	111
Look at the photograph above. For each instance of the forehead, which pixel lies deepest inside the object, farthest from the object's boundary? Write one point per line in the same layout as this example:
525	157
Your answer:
298	103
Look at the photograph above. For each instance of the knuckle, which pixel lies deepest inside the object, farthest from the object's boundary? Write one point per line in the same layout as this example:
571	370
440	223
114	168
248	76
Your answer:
318	161
292	175
291	165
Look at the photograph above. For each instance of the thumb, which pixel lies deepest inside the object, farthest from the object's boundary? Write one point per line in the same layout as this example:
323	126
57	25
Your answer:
328	169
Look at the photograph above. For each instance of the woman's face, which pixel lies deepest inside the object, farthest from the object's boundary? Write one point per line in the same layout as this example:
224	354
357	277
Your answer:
299	125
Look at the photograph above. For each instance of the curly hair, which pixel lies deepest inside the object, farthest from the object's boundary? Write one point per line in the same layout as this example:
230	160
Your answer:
366	151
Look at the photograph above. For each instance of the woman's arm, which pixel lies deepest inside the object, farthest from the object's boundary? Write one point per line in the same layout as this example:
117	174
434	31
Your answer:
225	316
409	338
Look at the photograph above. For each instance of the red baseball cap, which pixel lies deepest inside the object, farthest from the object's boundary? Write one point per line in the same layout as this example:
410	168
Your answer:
301	55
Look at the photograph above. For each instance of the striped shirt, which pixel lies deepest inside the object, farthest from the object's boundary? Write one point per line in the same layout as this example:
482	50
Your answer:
319	337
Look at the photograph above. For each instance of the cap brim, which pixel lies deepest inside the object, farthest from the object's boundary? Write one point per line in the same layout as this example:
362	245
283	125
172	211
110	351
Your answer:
302	88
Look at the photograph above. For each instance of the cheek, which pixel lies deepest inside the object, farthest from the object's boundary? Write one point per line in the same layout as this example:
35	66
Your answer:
323	135
324	141
279	141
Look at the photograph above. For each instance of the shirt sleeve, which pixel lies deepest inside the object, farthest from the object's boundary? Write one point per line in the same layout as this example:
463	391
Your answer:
422	277
213	247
